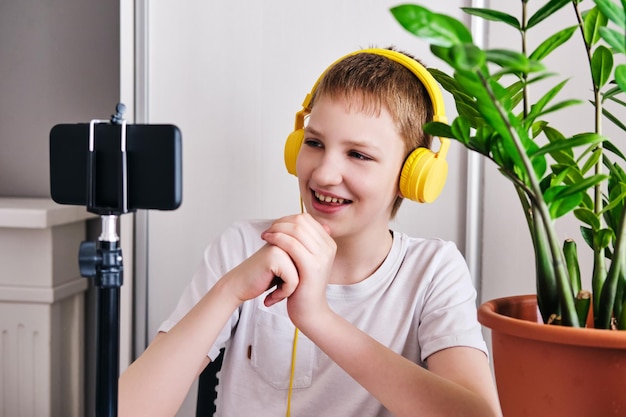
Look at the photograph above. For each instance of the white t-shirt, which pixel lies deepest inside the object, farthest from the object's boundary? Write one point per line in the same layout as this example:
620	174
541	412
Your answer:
419	301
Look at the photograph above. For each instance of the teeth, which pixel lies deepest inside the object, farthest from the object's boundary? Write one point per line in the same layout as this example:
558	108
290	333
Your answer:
329	199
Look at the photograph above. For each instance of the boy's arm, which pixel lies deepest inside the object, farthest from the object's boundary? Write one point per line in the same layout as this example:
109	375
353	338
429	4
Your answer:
457	383
469	368
158	381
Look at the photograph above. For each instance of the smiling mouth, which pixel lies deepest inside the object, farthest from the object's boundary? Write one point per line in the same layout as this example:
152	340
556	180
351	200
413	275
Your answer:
326	199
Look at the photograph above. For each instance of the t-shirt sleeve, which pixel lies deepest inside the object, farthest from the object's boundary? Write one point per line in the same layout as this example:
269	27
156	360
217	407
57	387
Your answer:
449	315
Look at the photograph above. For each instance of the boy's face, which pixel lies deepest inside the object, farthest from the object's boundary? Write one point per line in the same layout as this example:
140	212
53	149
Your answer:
348	166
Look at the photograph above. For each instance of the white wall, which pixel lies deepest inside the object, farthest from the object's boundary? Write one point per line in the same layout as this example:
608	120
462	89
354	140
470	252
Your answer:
231	75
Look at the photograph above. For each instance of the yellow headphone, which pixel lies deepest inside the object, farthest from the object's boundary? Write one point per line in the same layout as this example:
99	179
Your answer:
424	172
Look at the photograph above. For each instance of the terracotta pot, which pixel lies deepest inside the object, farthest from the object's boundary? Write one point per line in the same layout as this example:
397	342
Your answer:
553	371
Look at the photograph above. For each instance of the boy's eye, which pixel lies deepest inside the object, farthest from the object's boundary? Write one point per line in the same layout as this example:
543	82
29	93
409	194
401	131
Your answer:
358	155
312	143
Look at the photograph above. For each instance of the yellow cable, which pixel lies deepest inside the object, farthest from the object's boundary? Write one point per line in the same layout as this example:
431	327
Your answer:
293	370
293	350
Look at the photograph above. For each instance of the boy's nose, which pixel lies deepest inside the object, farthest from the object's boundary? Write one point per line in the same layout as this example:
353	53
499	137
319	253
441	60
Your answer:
328	171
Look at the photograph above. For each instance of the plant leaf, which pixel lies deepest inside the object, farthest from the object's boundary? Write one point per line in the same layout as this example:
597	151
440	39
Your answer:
561	105
538	107
439	129
601	65
612	148
612	11
565	198
461	129
538	127
471	84
564	156
515	98
613	119
583	185
603	238
552	192
441	52
552	134
552	43
593	21
591	162
588	217
437	29
564	205
469	112
540	166
617	179
493	15
612	92
587	234
620	76
546	11
482	141
540	77
465	103
615	39
512	61
617	175
566	173
615	202
575	141
467	57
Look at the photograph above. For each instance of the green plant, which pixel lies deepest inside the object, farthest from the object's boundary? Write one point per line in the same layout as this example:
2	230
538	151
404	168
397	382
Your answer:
553	174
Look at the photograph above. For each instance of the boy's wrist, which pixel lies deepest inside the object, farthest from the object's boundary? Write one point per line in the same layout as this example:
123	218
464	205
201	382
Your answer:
315	322
226	293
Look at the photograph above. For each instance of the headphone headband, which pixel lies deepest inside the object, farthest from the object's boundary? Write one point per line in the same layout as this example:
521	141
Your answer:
429	82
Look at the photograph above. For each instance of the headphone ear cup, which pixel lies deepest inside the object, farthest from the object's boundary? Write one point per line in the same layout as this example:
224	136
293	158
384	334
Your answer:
292	148
423	176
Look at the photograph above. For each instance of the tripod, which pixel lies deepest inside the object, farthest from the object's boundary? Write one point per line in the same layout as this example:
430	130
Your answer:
103	262
128	167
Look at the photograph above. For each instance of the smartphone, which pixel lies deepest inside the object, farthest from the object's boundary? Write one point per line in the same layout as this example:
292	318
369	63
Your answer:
104	178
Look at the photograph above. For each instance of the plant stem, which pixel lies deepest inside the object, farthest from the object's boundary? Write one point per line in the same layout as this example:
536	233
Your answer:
571	258
609	290
565	293
599	270
523	30
547	285
547	296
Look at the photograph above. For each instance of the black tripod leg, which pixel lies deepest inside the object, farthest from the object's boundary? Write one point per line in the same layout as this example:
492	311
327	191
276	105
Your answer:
107	366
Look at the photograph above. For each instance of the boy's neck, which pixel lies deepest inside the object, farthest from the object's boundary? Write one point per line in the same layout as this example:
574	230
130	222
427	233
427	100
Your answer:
358	257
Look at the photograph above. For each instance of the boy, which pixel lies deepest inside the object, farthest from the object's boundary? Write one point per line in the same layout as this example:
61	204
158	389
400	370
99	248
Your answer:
364	321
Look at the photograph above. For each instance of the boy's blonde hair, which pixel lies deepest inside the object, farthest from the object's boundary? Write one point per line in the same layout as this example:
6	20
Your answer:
373	81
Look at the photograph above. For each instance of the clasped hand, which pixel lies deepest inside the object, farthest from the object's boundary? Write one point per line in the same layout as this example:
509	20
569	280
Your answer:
300	253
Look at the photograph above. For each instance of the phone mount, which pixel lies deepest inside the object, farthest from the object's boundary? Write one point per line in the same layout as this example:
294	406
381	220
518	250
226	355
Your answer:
122	174
153	149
